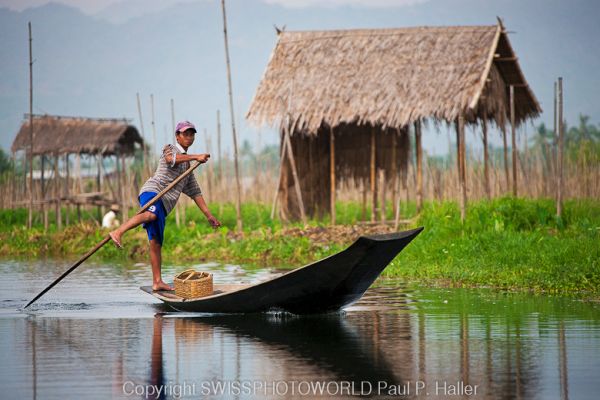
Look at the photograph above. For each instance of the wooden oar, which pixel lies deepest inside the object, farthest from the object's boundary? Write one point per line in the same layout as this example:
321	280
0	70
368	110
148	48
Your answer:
107	238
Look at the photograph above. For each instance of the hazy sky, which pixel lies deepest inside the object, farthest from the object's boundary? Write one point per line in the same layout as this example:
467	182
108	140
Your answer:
551	38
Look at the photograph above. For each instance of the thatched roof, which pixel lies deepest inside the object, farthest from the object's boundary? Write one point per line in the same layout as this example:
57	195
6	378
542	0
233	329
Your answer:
62	135
391	77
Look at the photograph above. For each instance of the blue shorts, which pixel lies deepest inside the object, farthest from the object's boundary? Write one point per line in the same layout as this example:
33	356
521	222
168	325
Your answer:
156	228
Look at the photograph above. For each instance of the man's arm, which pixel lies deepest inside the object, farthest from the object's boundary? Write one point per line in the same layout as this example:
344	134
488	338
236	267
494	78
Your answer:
181	158
199	200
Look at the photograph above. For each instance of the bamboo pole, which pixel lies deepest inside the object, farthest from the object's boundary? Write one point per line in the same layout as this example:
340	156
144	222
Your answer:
332	174
507	176
373	176
514	140
235	146
219	149
30	215
57	194
153	126
43	193
139	106
100	211
419	151
394	178
178	205
124	202
290	154
555	142
66	189
382	185
559	195
486	159
209	177
460	138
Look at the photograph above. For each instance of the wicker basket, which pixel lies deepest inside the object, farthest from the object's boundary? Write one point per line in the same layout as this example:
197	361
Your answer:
192	284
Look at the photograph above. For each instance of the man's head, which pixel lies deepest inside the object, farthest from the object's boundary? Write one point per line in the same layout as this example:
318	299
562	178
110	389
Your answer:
185	133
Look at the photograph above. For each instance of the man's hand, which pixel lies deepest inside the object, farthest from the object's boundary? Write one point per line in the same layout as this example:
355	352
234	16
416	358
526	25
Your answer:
213	222
202	158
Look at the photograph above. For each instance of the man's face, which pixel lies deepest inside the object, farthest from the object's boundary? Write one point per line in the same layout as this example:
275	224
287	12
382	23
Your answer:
186	138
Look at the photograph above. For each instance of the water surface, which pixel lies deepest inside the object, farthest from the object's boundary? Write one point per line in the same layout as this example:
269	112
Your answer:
96	335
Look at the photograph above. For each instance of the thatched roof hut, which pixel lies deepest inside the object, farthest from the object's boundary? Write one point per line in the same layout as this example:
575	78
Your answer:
391	77
356	81
66	135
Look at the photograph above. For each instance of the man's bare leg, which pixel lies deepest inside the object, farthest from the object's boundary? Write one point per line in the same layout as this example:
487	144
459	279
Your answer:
131	223
156	262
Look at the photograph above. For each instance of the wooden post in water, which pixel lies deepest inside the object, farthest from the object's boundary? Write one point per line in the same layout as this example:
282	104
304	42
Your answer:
373	176
238	207
419	154
30	216
486	159
332	174
514	140
561	134
555	143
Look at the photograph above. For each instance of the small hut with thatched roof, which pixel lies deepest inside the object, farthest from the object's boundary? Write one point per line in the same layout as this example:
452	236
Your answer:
56	136
344	100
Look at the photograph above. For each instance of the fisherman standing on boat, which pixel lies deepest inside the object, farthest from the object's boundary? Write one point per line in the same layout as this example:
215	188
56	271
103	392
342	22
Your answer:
174	161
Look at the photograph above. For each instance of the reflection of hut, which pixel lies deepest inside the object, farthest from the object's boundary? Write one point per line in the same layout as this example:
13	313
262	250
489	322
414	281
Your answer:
55	136
350	96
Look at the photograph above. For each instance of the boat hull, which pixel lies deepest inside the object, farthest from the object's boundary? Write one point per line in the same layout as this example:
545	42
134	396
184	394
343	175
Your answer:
323	286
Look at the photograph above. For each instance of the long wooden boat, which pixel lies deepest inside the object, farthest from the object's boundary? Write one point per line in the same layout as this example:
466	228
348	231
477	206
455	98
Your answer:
323	286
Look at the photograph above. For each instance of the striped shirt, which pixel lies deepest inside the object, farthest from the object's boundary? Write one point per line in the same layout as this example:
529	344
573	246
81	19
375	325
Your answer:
167	173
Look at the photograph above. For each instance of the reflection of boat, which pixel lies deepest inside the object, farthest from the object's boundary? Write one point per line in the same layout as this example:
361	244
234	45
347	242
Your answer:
326	285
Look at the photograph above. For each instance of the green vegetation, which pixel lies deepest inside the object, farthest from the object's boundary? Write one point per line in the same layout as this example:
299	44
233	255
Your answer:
504	243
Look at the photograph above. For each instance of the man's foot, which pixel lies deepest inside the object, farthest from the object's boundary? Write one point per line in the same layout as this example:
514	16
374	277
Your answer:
116	239
160	286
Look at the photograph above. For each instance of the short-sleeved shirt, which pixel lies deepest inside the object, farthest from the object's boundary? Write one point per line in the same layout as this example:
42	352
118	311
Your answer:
167	173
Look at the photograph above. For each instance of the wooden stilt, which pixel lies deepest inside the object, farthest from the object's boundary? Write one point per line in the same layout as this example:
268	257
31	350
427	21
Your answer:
514	140
506	174
486	160
332	174
290	155
373	176
419	151
66	190
394	177
99	187
382	185
43	192
460	138
57	194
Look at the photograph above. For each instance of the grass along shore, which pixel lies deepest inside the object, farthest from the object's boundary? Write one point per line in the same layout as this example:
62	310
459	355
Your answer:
508	243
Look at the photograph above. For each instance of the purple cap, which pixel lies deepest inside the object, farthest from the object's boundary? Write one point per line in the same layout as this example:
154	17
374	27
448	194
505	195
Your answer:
184	126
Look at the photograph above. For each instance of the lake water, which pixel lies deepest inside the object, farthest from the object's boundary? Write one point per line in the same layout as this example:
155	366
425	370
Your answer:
96	335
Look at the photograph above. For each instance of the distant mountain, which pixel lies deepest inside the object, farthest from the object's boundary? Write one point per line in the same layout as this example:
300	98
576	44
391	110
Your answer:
94	65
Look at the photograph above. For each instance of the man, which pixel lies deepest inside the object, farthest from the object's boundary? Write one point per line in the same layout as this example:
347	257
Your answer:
174	161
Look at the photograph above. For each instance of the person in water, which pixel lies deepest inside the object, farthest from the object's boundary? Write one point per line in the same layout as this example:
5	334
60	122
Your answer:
174	161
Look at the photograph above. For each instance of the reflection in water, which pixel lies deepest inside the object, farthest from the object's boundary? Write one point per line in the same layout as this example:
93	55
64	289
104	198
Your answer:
509	346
